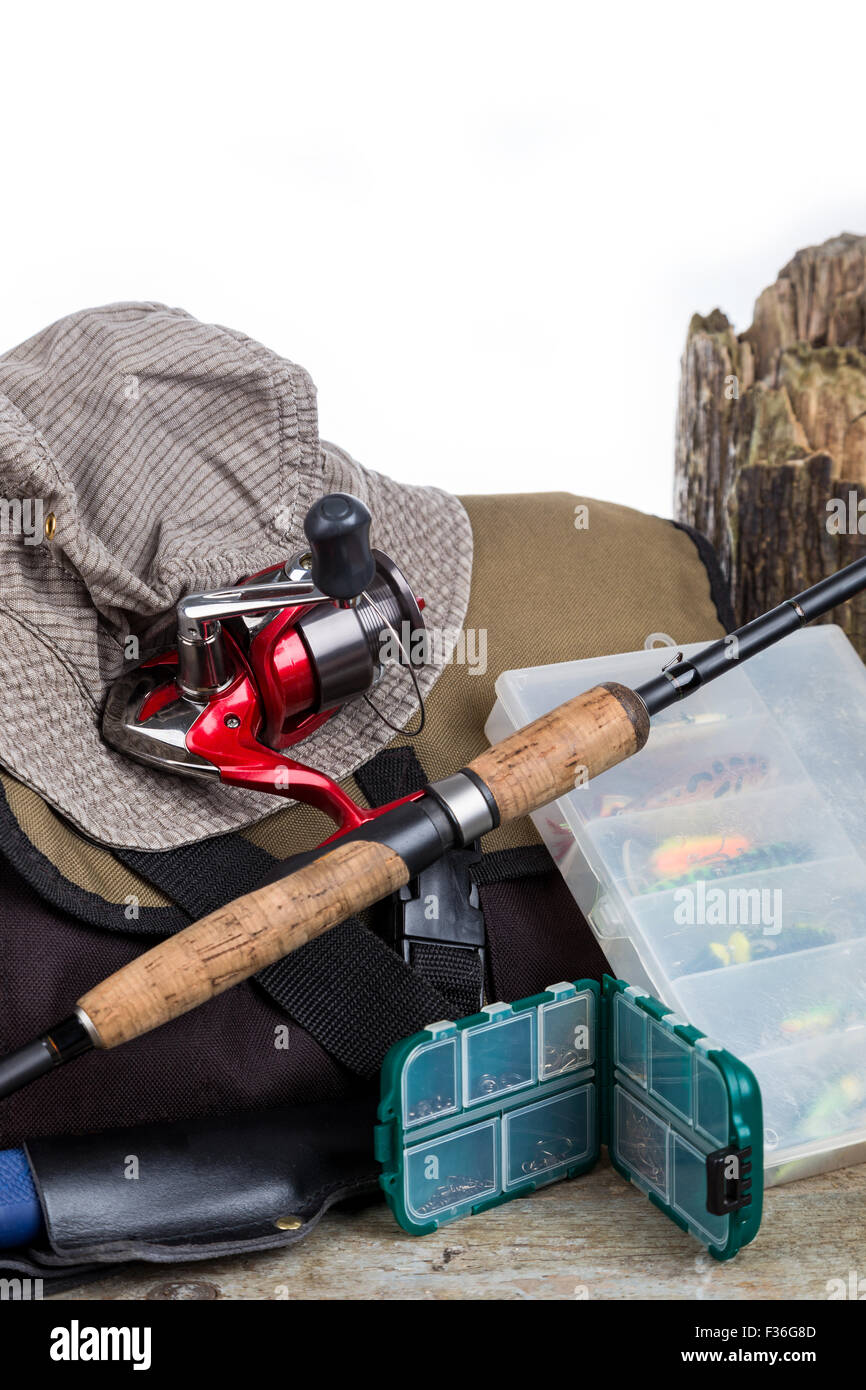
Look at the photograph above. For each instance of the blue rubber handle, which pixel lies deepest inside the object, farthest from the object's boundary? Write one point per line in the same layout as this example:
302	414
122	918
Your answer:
20	1212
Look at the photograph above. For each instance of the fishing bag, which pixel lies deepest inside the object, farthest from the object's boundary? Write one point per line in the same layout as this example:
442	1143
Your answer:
292	1056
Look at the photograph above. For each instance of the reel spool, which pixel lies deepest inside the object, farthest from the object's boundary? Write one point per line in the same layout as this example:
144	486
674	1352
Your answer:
259	667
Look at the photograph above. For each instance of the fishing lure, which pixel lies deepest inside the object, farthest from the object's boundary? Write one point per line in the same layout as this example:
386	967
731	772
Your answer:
825	1016
683	859
741	949
559	838
820	1018
678	857
837	1107
721	777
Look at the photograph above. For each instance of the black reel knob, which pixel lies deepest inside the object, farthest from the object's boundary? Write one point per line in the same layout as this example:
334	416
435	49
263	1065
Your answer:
338	530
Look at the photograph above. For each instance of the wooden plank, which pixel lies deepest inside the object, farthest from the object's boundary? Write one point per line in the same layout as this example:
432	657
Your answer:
593	1238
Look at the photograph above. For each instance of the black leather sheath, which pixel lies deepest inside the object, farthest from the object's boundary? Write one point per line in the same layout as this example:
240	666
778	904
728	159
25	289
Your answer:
195	1189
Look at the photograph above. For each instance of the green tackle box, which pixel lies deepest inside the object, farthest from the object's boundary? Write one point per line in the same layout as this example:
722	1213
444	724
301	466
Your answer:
477	1112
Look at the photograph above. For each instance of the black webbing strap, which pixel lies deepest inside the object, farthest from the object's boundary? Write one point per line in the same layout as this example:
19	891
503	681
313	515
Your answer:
354	995
203	876
393	773
457	971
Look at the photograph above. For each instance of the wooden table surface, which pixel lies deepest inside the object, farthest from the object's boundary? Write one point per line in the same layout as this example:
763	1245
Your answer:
595	1237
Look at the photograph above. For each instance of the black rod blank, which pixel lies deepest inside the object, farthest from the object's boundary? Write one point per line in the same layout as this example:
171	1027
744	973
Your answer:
684	677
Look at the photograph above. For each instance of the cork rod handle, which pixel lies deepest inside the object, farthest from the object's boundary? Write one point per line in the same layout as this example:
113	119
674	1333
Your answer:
563	749
234	942
528	770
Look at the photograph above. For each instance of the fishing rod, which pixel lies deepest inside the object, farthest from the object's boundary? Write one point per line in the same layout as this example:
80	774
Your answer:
362	864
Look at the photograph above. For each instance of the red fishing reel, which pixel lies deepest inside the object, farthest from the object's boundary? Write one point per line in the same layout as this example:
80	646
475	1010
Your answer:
259	667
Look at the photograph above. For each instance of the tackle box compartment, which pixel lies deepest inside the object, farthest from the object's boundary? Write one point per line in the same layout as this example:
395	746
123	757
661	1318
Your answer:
723	870
478	1112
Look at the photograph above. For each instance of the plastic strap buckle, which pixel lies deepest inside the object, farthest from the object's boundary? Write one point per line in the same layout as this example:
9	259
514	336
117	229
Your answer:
441	908
729	1180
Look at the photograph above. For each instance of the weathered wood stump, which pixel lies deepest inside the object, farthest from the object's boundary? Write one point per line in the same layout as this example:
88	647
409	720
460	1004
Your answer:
771	433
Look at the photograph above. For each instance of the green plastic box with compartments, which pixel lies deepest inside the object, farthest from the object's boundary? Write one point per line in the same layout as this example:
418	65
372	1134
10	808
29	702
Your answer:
477	1112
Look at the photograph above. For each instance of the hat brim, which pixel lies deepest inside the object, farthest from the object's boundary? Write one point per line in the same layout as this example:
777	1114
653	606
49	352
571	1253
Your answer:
52	737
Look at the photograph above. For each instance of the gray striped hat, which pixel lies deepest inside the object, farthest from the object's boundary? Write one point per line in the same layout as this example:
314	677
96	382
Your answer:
144	455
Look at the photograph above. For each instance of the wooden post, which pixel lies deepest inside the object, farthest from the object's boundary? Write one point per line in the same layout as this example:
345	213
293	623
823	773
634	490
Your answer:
771	433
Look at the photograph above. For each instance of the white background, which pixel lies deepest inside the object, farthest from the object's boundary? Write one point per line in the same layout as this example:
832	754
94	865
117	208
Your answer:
482	228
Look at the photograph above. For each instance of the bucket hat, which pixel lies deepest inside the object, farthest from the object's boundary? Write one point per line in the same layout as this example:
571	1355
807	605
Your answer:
145	455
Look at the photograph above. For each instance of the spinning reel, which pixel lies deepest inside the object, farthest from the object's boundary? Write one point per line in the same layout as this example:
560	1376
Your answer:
259	667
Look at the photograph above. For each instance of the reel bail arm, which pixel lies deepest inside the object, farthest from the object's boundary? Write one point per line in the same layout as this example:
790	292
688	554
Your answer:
259	667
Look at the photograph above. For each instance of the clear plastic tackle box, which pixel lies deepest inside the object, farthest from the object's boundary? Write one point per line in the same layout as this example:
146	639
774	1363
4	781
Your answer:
723	870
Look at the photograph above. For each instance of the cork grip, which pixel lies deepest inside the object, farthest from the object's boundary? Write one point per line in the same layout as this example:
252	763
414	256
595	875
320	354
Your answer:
237	940
528	770
563	749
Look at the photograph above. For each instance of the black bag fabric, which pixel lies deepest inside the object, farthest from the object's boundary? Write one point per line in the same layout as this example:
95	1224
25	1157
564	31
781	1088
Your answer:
243	1049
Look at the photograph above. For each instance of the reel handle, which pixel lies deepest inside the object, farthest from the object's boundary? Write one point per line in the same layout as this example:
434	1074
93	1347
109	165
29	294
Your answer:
338	530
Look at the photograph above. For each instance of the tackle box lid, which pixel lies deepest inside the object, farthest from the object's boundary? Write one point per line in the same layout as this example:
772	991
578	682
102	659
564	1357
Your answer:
723	870
479	1112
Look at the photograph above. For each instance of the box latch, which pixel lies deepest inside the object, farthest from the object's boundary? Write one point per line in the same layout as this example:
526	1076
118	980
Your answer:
729	1180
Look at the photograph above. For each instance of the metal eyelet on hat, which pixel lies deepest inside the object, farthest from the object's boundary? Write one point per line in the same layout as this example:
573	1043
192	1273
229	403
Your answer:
50	526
